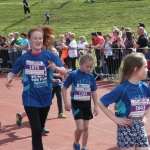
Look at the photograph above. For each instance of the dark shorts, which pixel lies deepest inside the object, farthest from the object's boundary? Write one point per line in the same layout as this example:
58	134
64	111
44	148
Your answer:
26	10
81	110
132	136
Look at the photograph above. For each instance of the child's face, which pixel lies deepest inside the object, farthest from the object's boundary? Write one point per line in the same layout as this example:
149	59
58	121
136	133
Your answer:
36	40
141	74
87	66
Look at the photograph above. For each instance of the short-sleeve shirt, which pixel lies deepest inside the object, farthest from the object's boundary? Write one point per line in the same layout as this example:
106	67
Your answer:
99	40
123	94
142	42
77	78
73	52
37	78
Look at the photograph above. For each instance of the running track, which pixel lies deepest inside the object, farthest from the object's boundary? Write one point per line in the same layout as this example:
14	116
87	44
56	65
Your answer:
102	131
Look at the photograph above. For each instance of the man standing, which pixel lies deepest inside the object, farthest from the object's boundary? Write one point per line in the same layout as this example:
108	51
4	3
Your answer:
97	44
143	25
17	41
142	40
26	8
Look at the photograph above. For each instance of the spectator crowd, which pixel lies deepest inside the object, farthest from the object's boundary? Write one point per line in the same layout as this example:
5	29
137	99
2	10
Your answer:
109	49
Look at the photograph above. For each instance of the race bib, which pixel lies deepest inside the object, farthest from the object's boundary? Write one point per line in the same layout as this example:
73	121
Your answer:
35	68
139	107
82	92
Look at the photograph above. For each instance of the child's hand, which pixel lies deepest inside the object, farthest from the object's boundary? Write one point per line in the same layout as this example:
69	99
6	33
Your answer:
8	82
144	119
122	121
56	80
56	74
51	65
67	106
95	111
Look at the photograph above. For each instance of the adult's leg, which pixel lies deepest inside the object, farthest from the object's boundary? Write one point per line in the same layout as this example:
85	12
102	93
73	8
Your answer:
28	12
73	63
33	114
97	54
85	134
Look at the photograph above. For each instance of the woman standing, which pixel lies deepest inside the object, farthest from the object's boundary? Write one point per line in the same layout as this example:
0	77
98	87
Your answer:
117	46
72	52
128	43
37	65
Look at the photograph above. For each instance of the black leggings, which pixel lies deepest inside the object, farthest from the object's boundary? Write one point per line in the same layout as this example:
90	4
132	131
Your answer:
37	118
72	63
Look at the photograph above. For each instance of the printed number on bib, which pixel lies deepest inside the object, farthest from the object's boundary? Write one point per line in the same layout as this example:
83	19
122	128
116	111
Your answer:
82	92
34	68
139	107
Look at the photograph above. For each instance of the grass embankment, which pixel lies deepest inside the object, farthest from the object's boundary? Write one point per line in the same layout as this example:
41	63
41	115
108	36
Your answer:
76	16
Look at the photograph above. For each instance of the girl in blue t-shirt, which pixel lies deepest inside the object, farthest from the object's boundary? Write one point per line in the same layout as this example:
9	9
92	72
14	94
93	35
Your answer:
132	100
37	66
83	89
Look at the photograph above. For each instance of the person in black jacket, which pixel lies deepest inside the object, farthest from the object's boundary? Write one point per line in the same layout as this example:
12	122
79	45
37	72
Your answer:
26	8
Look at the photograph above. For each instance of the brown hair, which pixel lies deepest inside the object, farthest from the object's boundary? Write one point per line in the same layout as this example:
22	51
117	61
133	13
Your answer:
131	61
47	35
24	34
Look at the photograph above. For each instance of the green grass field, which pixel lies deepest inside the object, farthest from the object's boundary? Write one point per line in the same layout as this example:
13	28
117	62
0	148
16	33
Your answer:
76	16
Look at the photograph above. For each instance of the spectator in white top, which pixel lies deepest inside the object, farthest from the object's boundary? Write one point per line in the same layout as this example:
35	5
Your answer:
82	44
72	52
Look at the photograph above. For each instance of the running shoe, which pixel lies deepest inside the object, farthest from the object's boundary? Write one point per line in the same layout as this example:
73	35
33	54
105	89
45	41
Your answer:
76	147
18	119
61	115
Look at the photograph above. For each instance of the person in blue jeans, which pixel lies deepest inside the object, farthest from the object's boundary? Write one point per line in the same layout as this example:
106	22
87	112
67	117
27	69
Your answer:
38	66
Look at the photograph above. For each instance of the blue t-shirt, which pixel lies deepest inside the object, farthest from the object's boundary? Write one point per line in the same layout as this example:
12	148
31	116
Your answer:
24	42
77	78
37	78
123	94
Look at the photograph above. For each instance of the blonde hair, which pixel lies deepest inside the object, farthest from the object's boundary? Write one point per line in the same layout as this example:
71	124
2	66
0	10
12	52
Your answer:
10	34
72	35
47	35
86	57
116	30
131	61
